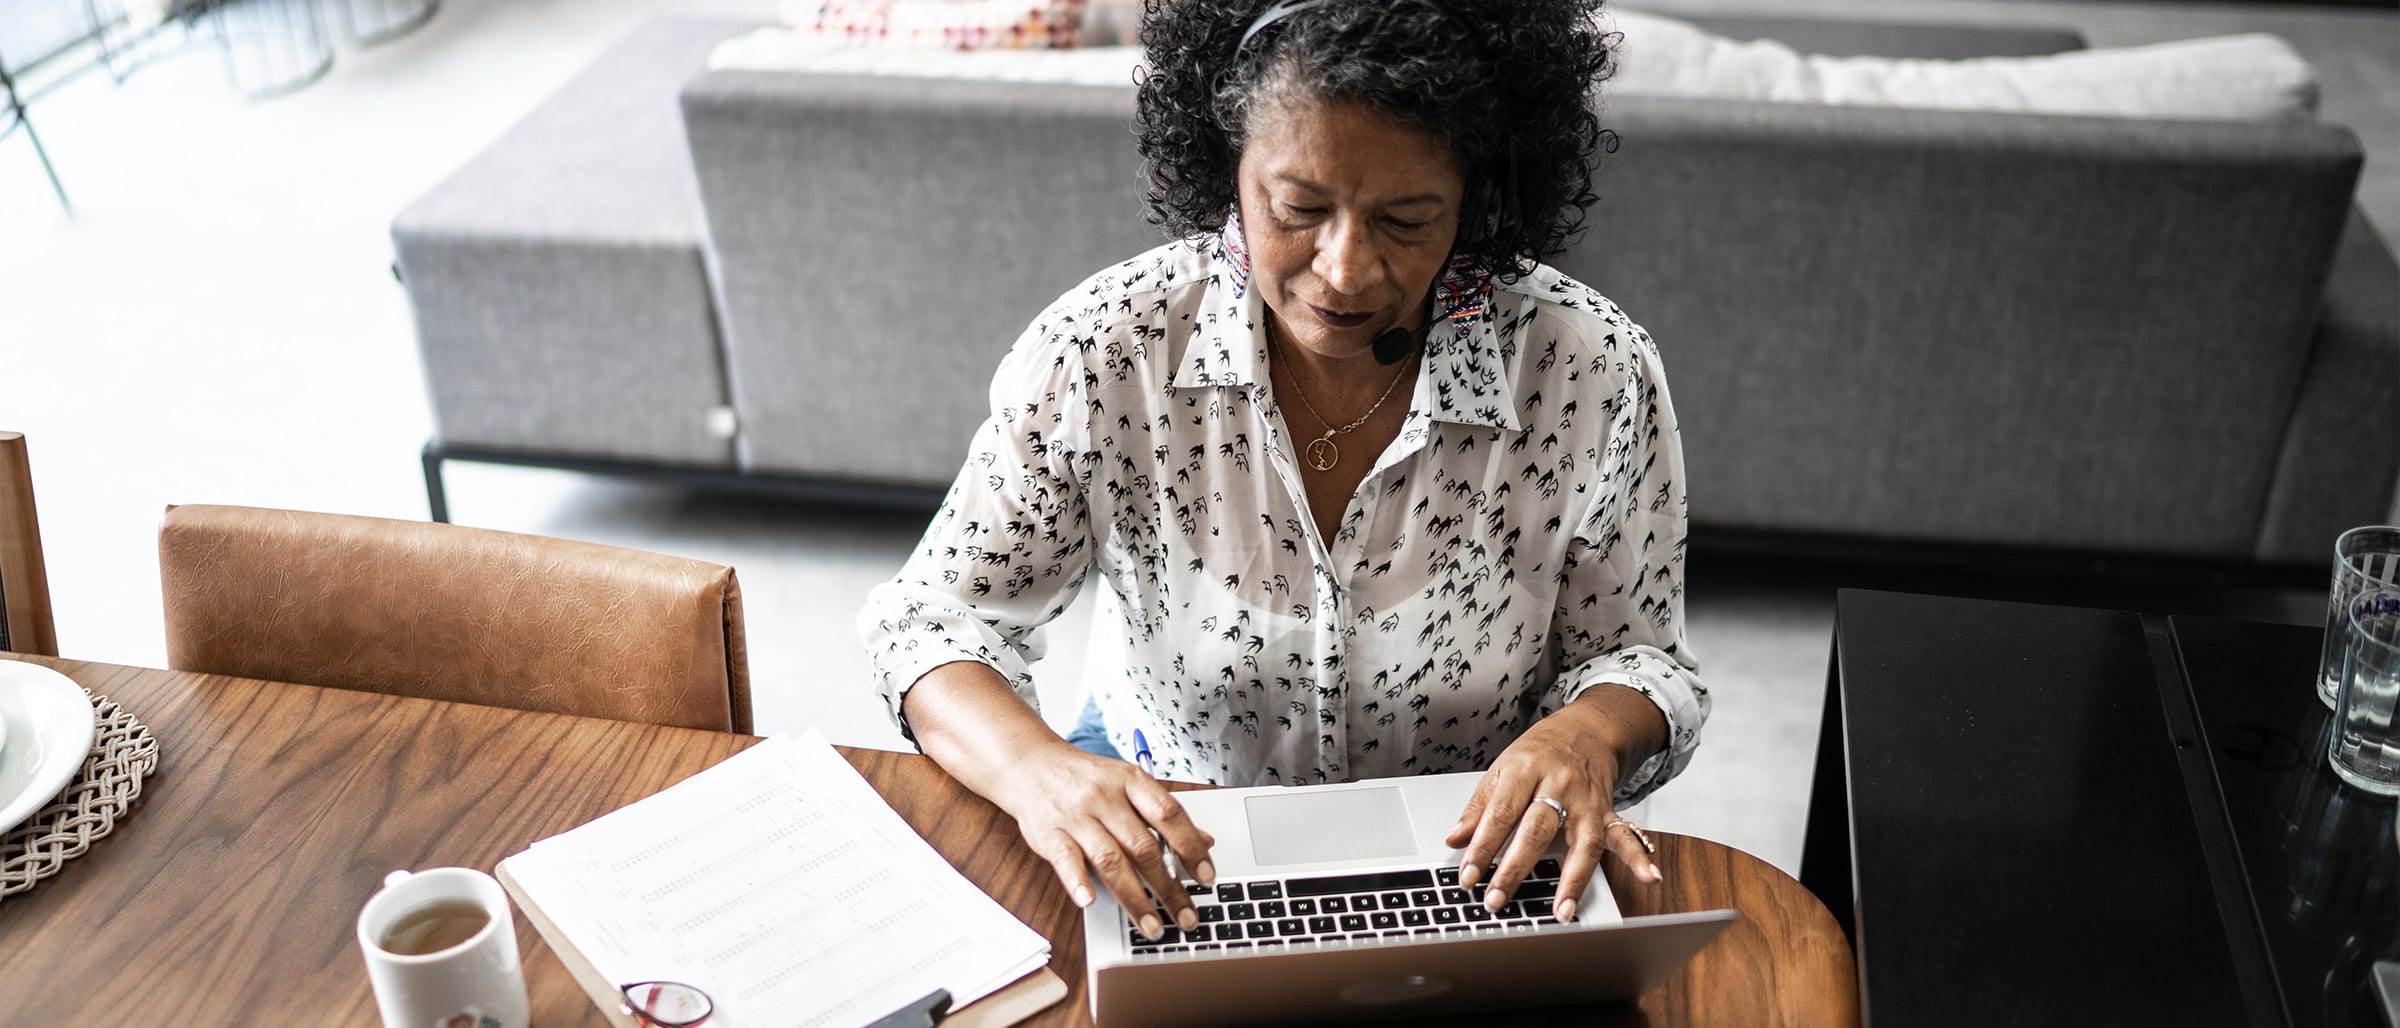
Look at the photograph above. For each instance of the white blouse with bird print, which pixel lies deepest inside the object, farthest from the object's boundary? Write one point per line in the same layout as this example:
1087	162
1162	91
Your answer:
1521	541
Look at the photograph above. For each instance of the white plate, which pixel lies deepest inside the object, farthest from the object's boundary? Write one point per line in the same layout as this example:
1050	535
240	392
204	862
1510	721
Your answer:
49	734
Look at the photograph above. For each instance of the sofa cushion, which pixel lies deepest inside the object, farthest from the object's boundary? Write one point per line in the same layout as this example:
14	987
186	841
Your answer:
603	156
1850	38
1112	23
2250	76
774	49
559	288
877	248
2340	465
1968	327
940	24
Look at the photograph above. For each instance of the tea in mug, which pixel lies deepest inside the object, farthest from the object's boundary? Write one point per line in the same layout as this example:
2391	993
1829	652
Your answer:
434	927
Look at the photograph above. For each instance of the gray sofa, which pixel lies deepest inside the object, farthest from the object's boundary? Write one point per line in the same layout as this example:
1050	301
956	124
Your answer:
2146	338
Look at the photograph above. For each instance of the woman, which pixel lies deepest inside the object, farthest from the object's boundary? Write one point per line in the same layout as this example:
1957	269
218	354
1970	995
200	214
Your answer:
1373	491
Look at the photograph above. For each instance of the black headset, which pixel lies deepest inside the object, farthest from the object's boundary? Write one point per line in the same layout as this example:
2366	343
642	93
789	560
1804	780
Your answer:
1490	209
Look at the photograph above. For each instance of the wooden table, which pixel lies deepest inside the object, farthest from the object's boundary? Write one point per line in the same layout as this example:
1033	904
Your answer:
228	896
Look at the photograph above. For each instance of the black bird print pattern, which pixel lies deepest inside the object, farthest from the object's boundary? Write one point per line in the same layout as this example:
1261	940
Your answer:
1520	542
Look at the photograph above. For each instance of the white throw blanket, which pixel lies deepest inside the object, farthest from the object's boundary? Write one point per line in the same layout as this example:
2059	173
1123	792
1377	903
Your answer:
2252	76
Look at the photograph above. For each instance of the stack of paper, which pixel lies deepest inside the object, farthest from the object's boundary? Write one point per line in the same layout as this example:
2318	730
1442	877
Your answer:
780	884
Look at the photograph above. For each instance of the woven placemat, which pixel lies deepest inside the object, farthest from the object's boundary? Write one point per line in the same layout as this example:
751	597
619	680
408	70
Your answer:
123	753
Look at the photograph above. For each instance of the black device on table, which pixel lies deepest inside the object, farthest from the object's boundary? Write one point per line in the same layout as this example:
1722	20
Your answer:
2125	820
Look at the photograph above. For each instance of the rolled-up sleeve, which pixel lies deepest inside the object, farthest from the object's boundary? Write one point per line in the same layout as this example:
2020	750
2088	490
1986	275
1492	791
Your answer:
1630	548
1010	546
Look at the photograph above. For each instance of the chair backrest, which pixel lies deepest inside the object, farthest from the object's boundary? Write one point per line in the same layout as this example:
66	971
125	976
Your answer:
454	613
25	625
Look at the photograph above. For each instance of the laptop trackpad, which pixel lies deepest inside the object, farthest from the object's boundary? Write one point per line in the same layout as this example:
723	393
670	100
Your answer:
1309	826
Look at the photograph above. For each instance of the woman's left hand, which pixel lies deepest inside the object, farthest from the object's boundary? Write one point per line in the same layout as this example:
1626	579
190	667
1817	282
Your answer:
1572	758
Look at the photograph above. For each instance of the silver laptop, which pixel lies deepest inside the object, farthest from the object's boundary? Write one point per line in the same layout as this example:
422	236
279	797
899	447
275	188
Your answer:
1338	902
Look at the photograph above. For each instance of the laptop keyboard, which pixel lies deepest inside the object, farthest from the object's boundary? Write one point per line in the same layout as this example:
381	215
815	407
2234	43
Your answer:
1347	910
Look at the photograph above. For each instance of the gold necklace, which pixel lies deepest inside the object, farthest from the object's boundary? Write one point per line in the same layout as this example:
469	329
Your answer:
1321	452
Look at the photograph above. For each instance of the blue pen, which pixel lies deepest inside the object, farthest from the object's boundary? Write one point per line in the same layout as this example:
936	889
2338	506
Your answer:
1141	754
1141	759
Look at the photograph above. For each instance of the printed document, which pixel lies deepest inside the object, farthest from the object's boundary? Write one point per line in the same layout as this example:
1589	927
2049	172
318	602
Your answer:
782	885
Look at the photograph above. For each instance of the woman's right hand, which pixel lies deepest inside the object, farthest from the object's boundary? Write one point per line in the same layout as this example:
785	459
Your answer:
1073	807
1076	808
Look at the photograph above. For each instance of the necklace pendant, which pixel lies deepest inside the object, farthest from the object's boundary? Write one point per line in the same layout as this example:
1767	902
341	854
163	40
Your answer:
1322	454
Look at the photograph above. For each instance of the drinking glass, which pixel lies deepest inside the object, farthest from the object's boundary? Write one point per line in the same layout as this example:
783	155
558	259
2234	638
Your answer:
2362	557
2365	749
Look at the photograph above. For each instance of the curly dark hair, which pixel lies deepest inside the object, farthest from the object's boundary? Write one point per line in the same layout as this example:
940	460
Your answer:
1506	83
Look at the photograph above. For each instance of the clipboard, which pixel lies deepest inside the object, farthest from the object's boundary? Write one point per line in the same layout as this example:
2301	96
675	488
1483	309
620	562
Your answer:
1023	998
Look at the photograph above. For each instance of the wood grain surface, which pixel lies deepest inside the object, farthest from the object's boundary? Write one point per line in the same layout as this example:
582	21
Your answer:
230	894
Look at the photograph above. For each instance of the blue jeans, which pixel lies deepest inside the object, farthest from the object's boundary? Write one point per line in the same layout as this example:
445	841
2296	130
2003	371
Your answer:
1089	735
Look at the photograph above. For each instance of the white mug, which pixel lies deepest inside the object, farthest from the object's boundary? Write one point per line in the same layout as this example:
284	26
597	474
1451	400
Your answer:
475	983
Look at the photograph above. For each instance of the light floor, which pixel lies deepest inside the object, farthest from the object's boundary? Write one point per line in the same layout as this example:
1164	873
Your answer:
216	324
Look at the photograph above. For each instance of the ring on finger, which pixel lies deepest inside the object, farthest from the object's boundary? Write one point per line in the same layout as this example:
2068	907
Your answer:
1638	835
1557	807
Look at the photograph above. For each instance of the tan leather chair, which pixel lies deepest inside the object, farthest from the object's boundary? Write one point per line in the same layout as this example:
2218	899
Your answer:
454	613
25	625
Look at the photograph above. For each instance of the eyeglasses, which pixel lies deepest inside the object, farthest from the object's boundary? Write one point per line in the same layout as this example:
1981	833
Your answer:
667	1004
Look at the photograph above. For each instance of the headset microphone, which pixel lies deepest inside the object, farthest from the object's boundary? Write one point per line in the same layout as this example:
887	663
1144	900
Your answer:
1392	345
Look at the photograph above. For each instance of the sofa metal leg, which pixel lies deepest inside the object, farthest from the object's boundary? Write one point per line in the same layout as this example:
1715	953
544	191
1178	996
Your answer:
436	500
